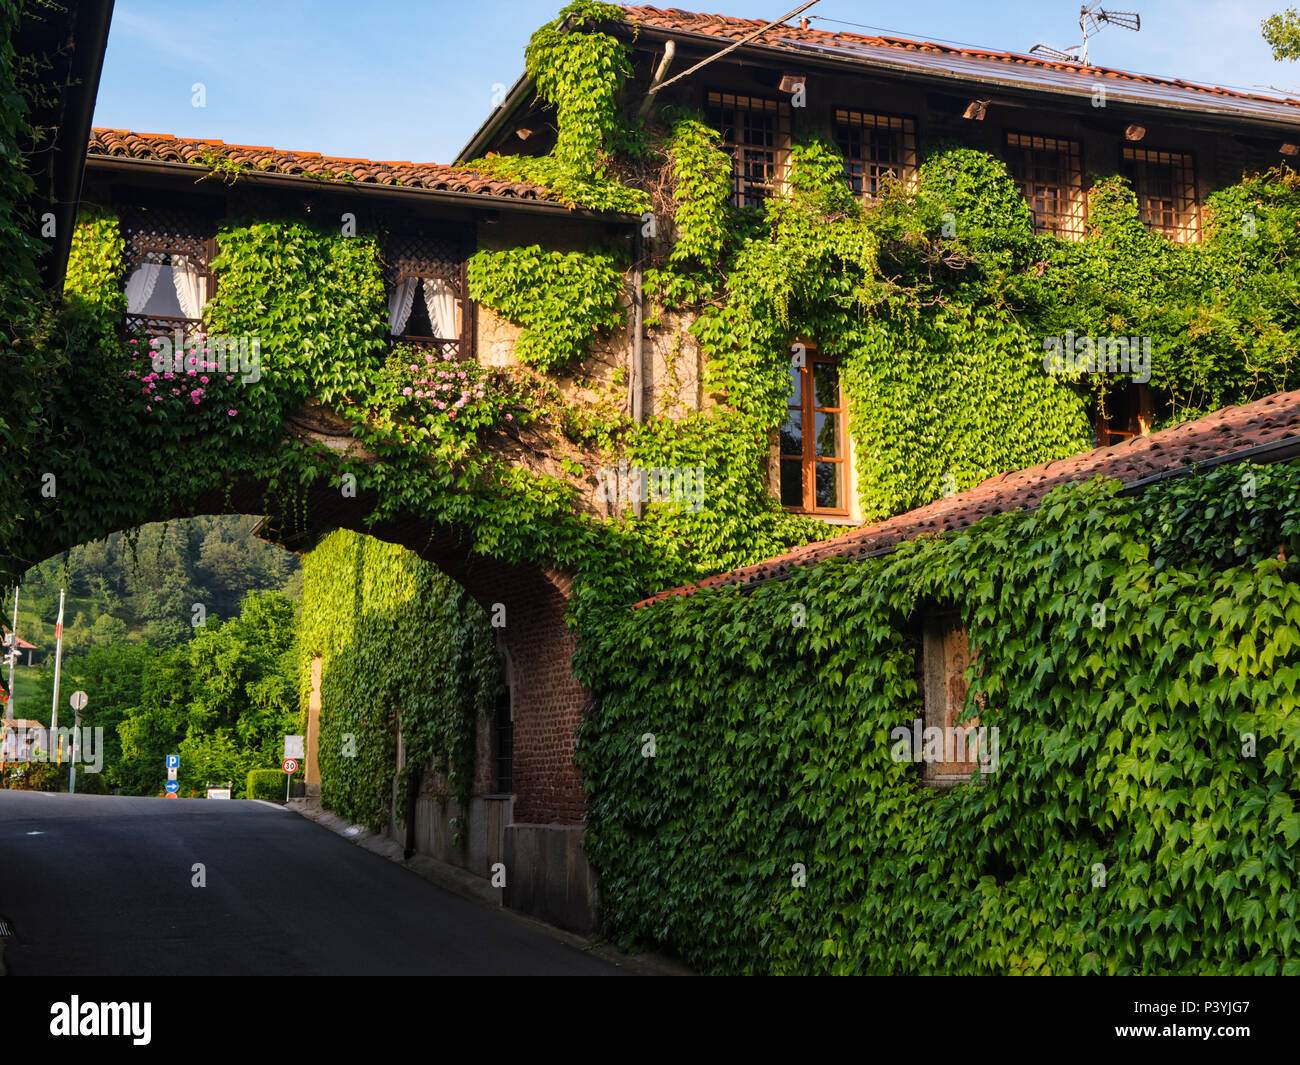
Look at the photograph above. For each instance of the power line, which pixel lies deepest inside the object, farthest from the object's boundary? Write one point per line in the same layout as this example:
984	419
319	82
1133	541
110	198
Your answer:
922	37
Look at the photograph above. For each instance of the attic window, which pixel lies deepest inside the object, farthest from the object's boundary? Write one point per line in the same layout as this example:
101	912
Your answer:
1165	183
756	134
876	149
1050	176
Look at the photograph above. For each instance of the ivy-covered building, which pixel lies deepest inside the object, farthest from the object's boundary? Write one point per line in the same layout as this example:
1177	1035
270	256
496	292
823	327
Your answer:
656	326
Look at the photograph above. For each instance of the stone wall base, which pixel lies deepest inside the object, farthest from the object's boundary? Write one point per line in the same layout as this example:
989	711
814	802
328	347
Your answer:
549	877
546	869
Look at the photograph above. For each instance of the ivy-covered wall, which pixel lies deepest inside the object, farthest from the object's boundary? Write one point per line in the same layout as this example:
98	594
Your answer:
937	302
401	645
1143	816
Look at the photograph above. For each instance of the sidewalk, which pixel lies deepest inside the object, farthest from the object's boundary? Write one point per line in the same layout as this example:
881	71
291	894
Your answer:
465	884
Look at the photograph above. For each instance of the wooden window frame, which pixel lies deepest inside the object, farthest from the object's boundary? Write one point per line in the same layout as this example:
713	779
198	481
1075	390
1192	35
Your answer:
746	191
404	257
808	459
195	238
1027	153
873	171
1185	228
946	654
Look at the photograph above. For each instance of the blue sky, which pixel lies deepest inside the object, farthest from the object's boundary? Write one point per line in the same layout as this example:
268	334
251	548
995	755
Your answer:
399	79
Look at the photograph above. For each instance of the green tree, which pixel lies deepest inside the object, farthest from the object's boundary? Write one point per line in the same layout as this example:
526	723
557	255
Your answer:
1283	33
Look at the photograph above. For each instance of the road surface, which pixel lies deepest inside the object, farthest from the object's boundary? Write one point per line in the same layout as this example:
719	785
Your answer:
103	886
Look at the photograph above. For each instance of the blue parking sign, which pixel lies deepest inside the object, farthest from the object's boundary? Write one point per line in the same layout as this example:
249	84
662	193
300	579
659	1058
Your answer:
173	785
173	761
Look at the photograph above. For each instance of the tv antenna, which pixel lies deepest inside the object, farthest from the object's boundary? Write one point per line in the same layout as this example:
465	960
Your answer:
1092	20
1055	53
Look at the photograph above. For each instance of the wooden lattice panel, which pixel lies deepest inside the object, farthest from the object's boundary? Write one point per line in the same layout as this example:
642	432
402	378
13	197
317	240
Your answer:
155	234
423	253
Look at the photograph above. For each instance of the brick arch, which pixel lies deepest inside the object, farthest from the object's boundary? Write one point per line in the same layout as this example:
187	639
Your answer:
548	875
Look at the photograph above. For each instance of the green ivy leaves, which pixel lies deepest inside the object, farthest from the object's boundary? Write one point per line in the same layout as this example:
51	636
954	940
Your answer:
1143	818
401	646
562	300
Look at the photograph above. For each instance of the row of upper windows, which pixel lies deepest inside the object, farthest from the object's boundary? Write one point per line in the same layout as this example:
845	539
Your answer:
169	281
879	148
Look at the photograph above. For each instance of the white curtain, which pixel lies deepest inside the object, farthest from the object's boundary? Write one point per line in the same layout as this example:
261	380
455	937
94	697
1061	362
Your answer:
191	287
440	301
140	286
399	305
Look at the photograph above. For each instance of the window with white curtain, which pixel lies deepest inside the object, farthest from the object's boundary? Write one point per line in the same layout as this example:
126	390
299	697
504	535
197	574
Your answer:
424	266
178	289
167	278
425	308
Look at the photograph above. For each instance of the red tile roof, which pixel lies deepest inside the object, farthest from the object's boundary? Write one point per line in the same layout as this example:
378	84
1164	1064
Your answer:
162	147
1228	432
848	45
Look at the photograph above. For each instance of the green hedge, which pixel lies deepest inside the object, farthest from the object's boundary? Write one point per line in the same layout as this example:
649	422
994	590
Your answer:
1143	818
266	784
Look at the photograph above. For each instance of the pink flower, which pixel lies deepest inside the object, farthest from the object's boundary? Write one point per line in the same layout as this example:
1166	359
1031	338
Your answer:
510	417
406	391
148	408
412	367
204	380
229	377
135	342
232	413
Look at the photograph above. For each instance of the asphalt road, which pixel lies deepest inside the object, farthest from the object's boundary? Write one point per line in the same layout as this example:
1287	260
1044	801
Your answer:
102	886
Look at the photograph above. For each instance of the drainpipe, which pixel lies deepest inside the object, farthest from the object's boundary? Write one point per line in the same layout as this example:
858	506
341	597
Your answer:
661	72
638	345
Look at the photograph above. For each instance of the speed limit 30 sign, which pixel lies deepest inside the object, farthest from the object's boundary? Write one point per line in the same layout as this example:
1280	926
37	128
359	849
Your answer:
290	766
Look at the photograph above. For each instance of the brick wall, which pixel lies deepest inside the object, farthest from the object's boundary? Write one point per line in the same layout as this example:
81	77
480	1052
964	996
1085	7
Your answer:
547	701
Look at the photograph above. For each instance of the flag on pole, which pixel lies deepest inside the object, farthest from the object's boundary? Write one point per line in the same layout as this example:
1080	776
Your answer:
58	662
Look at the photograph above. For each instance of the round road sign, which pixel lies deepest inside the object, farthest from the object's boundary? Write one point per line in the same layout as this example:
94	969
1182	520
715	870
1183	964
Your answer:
290	766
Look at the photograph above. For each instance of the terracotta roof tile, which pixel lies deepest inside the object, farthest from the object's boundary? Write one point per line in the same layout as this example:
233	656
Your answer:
793	36
1224	433
162	147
